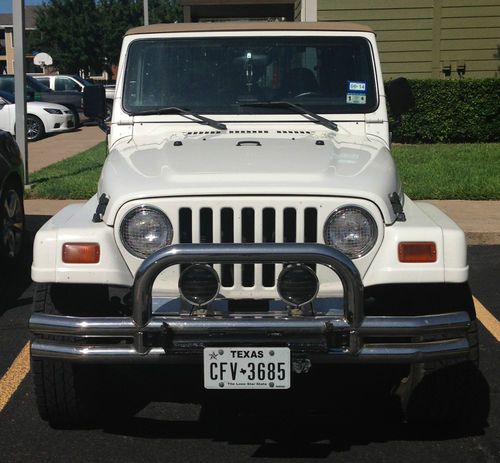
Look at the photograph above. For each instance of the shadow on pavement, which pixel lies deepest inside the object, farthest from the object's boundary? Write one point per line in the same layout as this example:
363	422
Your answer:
322	414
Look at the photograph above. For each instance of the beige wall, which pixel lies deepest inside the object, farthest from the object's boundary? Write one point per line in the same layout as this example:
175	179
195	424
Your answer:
9	51
418	37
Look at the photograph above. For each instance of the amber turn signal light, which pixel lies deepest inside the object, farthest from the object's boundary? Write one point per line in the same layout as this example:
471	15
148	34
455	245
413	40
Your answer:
418	252
81	253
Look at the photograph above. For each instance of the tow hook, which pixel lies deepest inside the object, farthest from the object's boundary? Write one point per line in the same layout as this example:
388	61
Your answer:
301	366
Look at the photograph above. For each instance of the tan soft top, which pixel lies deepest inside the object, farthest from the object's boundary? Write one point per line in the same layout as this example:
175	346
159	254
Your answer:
249	26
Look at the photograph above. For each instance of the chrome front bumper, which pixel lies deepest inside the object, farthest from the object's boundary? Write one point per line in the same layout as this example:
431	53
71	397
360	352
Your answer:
350	338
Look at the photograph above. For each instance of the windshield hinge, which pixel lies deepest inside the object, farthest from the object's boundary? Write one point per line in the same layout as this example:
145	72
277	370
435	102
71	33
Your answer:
397	207
101	208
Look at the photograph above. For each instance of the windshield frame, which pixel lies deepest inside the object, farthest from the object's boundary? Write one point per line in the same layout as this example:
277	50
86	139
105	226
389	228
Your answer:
266	115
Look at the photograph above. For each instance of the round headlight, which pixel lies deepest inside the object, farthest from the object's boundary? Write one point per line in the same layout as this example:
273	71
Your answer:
199	284
297	285
144	230
351	230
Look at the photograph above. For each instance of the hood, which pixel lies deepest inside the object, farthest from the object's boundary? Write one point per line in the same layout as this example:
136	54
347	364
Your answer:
250	163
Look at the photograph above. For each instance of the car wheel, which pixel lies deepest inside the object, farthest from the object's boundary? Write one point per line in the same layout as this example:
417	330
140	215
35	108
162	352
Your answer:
11	223
76	117
452	393
70	394
34	128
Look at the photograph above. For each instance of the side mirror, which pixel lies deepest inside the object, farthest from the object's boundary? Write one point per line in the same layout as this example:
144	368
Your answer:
94	104
399	96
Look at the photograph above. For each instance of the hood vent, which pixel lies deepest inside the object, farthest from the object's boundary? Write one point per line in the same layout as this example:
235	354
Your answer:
247	132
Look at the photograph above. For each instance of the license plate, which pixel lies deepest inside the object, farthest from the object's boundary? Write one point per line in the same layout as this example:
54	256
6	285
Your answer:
246	367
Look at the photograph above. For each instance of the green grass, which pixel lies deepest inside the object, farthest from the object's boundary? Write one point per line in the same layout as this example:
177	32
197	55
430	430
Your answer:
465	171
72	178
455	171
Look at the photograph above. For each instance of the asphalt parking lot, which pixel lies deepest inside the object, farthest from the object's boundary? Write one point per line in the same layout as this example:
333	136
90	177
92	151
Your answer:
315	421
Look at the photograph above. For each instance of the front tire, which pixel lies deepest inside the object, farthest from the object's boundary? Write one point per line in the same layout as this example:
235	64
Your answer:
67	394
451	393
76	118
11	224
35	130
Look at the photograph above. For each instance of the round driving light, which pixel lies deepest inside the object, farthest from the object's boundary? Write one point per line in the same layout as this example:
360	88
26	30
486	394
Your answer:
145	230
199	284
352	230
297	285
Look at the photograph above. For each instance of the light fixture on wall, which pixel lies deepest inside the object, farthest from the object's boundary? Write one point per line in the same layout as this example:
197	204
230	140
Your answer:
446	69
461	68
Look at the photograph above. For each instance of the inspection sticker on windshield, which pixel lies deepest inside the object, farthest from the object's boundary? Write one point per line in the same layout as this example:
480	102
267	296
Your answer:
356	86
356	98
246	367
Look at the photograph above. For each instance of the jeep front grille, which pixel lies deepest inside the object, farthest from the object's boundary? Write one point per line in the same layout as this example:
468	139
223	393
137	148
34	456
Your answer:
248	225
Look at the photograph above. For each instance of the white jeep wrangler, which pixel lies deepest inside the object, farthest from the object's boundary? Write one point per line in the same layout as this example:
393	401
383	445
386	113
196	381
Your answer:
250	219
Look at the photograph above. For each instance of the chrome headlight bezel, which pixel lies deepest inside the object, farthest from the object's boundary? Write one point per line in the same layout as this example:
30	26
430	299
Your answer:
368	246
136	250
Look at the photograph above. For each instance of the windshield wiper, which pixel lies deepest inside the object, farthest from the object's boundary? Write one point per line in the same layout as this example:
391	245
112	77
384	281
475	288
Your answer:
183	112
295	107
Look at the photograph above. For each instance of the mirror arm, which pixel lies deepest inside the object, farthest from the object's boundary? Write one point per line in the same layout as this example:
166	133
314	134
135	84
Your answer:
103	126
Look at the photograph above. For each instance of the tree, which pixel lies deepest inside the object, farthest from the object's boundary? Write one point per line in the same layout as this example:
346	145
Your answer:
87	34
69	31
116	17
164	11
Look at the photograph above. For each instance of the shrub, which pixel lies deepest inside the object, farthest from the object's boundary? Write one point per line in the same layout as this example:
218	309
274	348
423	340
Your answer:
450	111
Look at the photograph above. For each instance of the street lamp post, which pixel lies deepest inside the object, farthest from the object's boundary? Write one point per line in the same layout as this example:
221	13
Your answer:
20	81
146	12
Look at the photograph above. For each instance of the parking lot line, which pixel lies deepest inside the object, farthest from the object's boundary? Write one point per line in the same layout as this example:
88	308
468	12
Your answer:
487	319
14	376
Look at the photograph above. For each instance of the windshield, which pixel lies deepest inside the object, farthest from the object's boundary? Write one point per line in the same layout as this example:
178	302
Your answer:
220	75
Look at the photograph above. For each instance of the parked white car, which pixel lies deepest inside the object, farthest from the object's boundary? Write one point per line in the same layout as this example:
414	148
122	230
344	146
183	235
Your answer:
250	220
42	117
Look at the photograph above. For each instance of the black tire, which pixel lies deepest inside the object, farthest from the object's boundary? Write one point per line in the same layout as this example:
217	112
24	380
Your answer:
452	393
76	117
68	394
12	220
35	130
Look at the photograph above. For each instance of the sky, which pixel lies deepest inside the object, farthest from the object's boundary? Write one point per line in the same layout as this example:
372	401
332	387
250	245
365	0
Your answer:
6	5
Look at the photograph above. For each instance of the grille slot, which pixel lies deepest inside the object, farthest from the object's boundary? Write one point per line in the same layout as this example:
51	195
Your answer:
310	228
248	225
268	236
247	236
206	225
185	229
227	236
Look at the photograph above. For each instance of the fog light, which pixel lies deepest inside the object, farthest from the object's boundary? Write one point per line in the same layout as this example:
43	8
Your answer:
297	285
199	284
